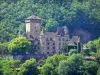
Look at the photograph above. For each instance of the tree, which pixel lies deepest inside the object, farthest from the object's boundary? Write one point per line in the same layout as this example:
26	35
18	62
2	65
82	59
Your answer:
29	67
47	69
90	67
98	72
51	64
4	48
8	67
51	25
71	66
72	51
98	56
20	45
86	51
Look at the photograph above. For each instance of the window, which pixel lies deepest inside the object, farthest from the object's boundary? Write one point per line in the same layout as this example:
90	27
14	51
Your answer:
47	47
53	47
59	43
47	52
59	39
50	39
47	43
63	39
31	37
53	43
38	48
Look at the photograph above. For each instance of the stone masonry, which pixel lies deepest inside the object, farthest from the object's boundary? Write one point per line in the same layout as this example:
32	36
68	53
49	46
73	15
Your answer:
48	42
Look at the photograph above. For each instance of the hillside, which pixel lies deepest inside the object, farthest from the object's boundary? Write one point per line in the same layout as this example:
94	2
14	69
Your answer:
82	15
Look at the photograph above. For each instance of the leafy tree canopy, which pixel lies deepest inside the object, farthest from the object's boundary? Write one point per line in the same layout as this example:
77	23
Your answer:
20	45
71	65
51	64
29	67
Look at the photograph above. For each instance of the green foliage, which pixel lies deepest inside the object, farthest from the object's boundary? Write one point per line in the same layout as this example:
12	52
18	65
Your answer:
98	72
29	68
98	56
86	51
54	13
69	47
71	65
19	45
90	67
4	48
94	45
51	25
8	67
51	64
47	69
72	51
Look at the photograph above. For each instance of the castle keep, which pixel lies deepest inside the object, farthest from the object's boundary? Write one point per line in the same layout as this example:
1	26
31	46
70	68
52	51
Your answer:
47	42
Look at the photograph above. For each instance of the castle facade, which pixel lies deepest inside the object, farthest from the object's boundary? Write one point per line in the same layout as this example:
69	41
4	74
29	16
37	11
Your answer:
48	42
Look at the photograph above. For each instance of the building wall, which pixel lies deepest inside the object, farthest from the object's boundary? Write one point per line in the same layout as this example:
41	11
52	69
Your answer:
33	29
60	42
47	42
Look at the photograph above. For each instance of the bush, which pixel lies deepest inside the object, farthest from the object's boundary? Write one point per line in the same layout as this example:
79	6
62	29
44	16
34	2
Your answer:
72	51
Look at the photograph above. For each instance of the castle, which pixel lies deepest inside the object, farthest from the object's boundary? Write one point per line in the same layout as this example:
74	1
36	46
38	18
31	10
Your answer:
48	42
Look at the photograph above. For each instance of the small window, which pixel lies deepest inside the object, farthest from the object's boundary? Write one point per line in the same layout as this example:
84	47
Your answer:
67	40
59	39
31	37
38	48
59	43
47	52
50	39
47	43
63	39
47	47
53	47
53	43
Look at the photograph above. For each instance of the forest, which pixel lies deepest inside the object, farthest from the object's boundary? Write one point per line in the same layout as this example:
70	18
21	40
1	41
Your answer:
75	14
83	14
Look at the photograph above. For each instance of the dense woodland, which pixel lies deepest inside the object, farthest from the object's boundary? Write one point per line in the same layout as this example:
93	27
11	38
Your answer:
57	64
84	14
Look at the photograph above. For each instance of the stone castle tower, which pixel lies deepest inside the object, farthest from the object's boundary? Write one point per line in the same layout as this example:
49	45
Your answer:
33	27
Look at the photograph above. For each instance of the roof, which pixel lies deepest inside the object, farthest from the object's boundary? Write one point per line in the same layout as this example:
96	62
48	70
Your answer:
33	17
50	34
60	31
